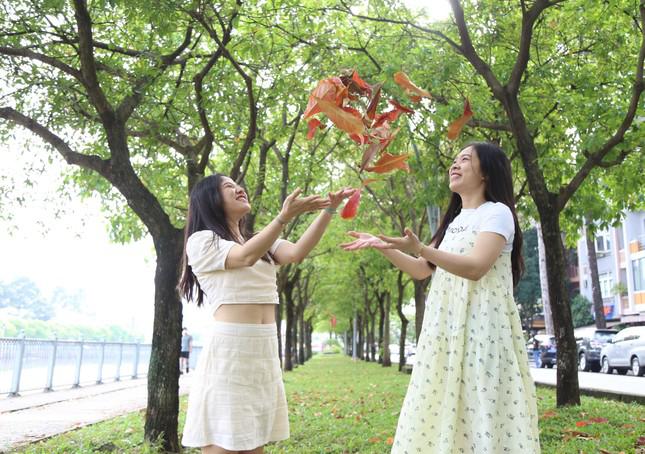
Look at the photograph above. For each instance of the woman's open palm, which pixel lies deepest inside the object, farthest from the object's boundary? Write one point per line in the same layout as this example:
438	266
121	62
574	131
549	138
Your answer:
363	241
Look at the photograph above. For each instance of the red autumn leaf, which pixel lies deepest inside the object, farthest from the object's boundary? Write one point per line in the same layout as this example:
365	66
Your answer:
331	89
581	423
367	181
400	107
360	139
343	119
390	441
364	86
372	150
640	441
389	162
381	139
376	97
351	206
414	93
389	117
456	126
598	420
313	126
549	414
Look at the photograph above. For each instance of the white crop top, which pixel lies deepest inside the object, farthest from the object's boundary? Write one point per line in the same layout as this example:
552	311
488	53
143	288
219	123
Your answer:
488	217
207	251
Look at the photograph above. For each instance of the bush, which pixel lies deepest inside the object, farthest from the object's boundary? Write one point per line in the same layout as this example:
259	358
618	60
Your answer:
581	311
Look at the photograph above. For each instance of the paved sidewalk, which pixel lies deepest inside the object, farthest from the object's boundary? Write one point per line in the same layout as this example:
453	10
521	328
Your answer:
625	388
36	416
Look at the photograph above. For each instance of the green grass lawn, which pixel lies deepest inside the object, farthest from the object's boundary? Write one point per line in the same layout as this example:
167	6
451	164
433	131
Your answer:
340	406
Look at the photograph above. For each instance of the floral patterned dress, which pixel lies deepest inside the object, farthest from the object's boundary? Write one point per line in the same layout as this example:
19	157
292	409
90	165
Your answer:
470	390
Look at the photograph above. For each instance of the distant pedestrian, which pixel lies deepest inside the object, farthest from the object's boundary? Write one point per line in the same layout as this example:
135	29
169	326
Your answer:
186	349
536	352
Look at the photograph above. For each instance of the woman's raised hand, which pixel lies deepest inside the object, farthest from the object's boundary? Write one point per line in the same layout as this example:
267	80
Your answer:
363	241
294	205
336	198
409	243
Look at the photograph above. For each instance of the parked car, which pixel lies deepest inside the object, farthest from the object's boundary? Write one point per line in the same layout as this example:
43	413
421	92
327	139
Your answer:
549	355
624	352
589	349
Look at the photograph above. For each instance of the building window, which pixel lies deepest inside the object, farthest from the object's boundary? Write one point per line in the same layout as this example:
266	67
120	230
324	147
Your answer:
603	244
606	285
638	269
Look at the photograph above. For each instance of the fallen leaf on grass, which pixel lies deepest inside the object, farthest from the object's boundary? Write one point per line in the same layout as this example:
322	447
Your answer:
571	434
390	441
549	414
640	441
627	426
374	440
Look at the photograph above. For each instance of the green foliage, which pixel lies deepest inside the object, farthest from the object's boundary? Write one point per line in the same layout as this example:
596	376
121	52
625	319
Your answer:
581	311
38	329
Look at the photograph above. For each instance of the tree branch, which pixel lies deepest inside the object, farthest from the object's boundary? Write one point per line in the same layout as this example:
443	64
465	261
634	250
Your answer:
26	53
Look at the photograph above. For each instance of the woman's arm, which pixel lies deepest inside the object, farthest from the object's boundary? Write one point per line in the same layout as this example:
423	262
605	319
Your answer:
417	268
474	265
289	252
241	255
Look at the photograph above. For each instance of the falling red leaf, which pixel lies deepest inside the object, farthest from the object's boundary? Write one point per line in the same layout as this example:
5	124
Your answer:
400	107
351	206
376	97
390	116
361	83
456	126
414	93
343	119
389	162
367	181
313	126
331	89
361	139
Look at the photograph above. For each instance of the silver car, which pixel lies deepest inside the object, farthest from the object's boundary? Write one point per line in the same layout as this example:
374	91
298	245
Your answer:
624	352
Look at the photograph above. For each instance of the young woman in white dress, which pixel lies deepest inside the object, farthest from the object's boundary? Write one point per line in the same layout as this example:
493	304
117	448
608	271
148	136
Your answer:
237	401
470	390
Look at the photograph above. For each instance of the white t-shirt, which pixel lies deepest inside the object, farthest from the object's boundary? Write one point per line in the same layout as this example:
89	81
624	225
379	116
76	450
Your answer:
256	284
493	217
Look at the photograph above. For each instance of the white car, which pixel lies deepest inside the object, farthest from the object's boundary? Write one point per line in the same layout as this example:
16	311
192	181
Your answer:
624	352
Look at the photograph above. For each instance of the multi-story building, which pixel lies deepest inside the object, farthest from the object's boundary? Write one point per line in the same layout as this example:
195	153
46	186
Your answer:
620	252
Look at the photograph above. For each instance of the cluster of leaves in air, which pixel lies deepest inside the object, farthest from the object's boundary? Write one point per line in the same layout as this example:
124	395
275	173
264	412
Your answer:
338	98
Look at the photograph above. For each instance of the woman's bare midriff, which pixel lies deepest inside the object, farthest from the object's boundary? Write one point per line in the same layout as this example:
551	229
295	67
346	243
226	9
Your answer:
246	313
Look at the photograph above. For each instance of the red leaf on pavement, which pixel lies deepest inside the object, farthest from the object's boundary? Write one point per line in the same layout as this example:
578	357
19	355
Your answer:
456	126
343	119
414	93
313	126
351	206
389	162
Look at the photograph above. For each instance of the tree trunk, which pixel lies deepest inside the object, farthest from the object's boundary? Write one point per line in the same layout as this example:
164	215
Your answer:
289	313
568	391
361	339
294	335
301	338
381	324
598	307
163	373
387	362
310	330
404	321
373	335
420	288
544	282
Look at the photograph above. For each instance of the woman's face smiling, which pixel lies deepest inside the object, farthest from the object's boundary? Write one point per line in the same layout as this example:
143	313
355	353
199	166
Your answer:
234	199
465	174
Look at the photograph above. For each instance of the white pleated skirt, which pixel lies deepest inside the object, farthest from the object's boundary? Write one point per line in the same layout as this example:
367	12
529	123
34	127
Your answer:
237	399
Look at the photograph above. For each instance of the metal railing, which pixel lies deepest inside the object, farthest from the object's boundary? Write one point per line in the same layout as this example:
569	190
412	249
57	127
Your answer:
47	364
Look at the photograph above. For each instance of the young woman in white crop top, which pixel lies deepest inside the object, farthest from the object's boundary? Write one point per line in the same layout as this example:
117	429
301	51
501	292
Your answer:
237	401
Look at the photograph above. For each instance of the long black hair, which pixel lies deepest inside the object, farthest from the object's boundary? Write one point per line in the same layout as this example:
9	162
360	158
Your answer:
496	169
206	212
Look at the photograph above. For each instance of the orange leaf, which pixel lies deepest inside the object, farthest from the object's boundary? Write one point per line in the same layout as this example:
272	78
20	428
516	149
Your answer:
581	423
400	107
351	206
389	116
549	414
331	89
367	181
628	426
364	86
313	126
598	420
360	139
414	93
343	119
389	162
456	126
374	440
390	441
